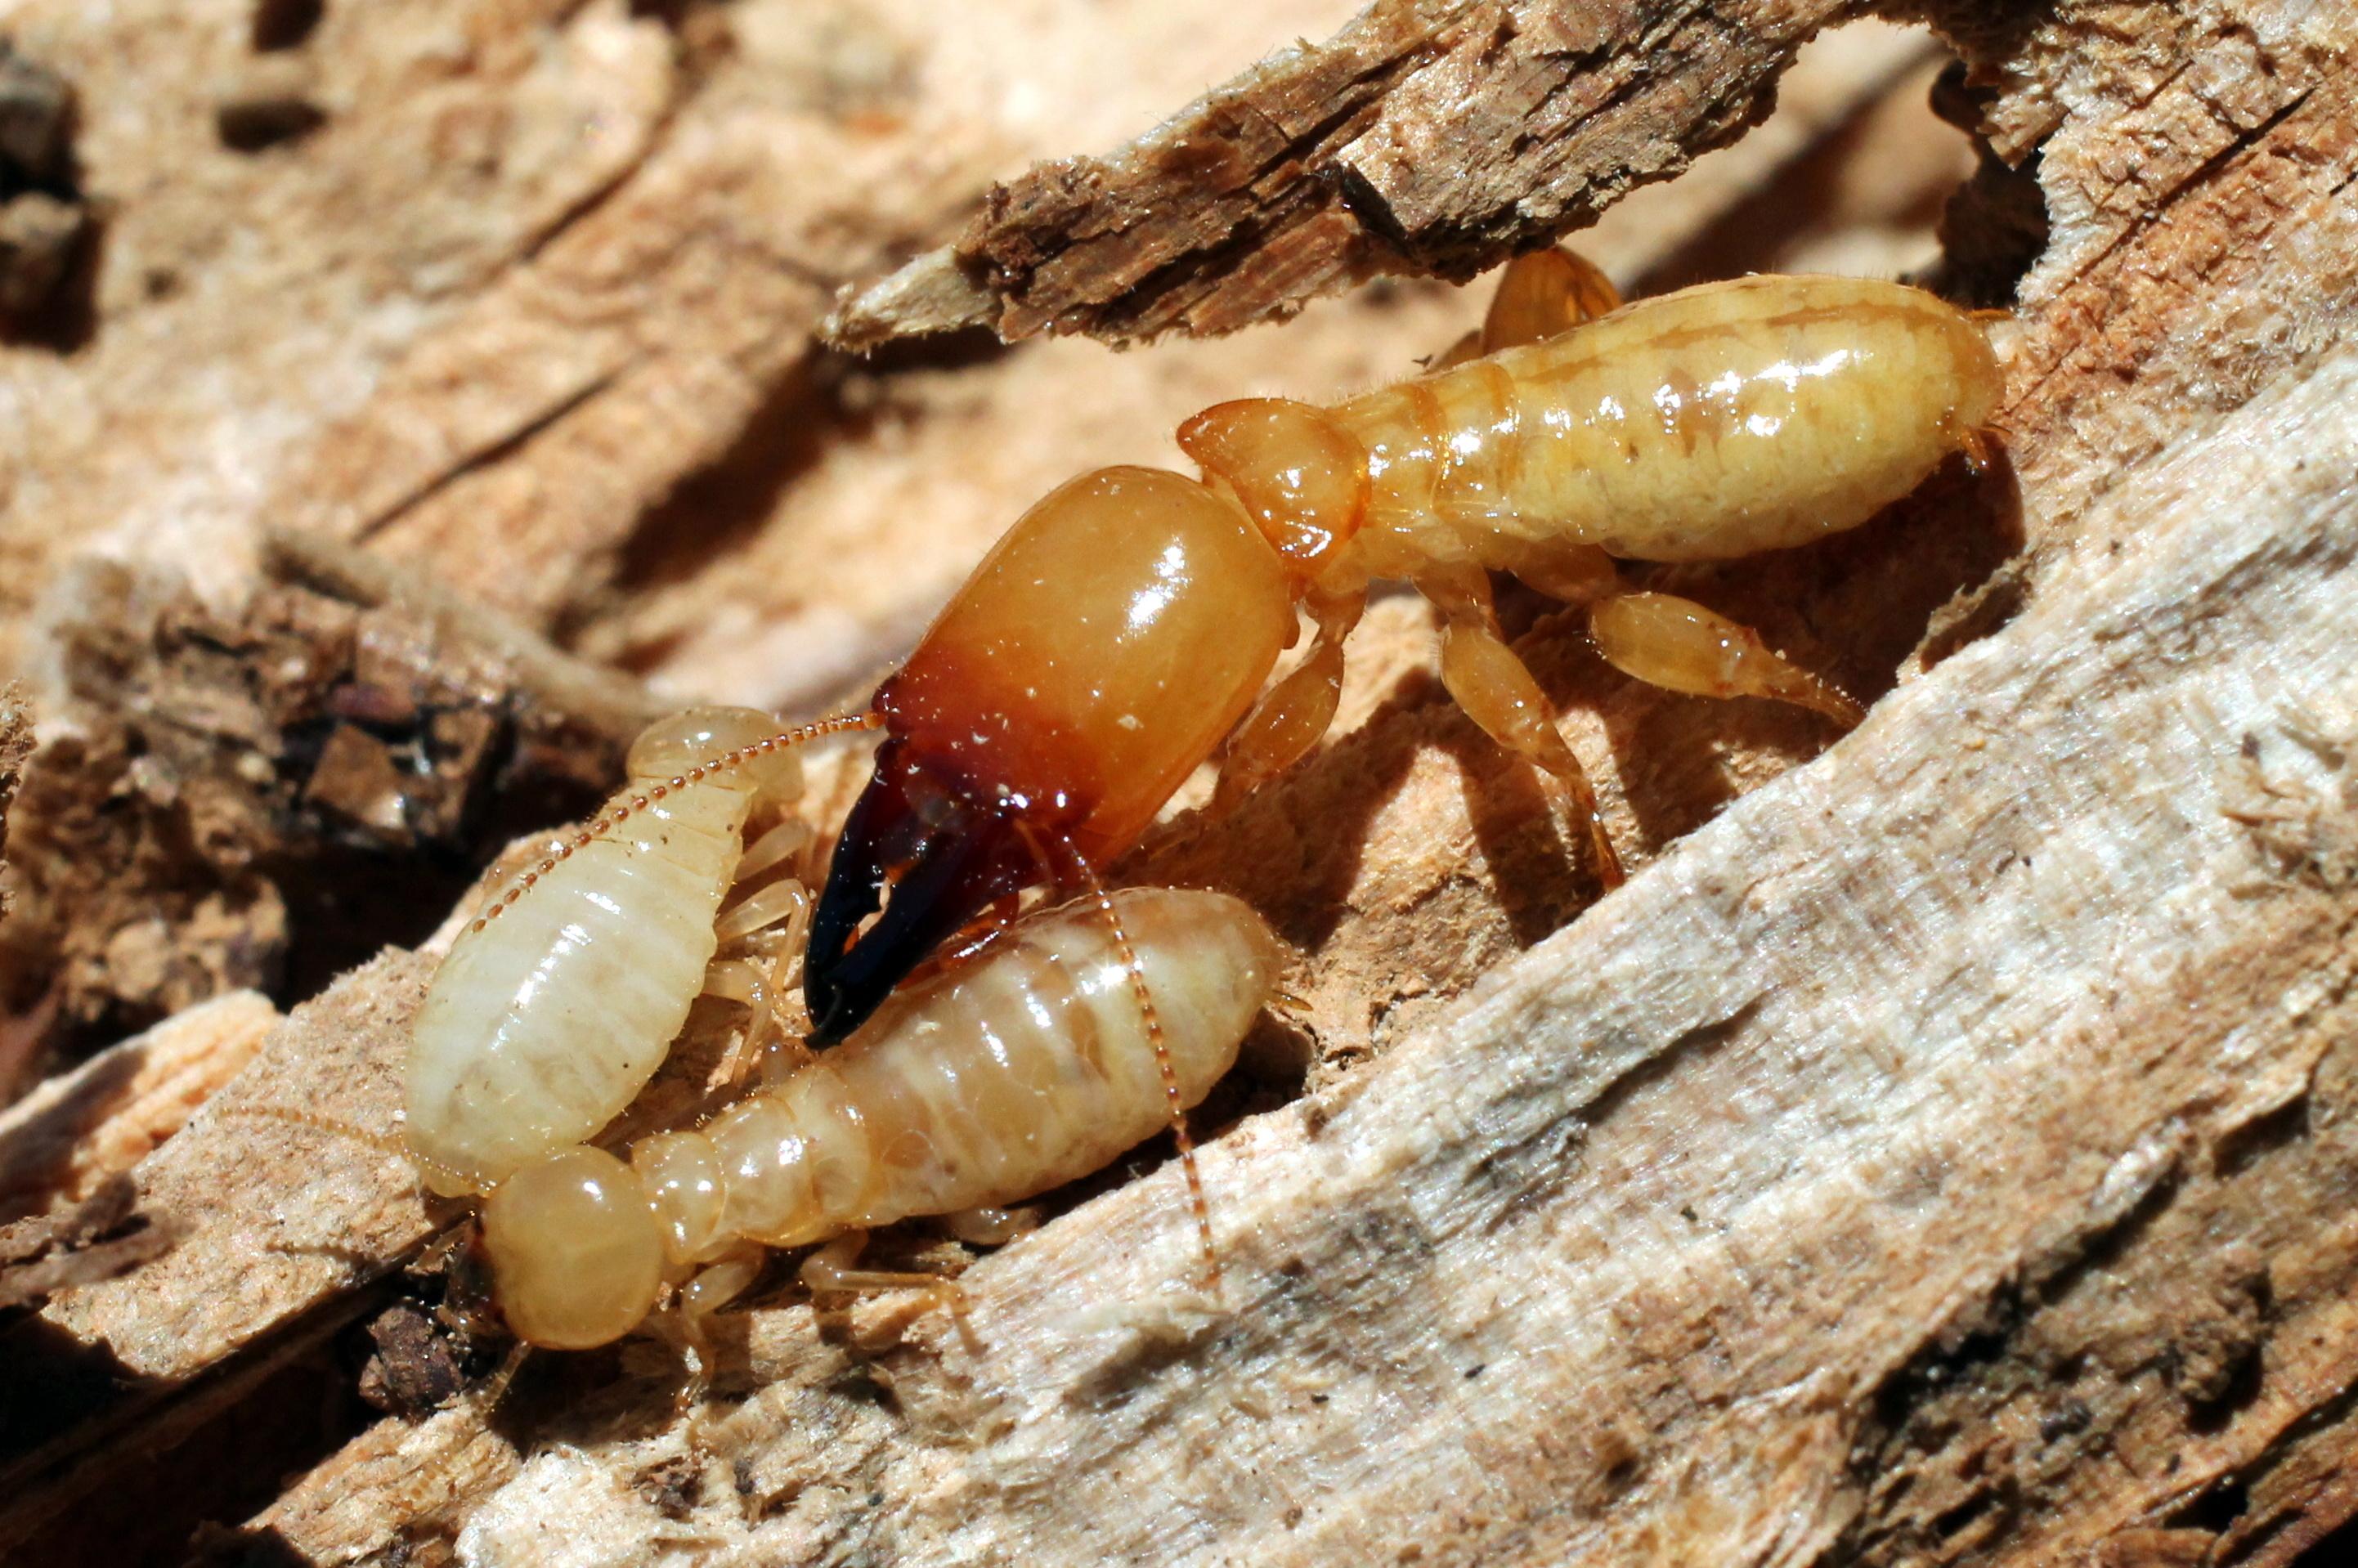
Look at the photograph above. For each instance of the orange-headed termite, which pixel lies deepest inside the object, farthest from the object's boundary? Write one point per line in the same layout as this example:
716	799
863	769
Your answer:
1124	626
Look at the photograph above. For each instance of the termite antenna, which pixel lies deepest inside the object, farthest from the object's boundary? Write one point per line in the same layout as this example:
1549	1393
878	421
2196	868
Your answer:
621	811
290	1117
1172	1098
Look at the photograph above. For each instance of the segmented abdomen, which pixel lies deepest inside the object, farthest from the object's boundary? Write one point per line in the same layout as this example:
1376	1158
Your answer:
1020	1071
542	1024
1698	426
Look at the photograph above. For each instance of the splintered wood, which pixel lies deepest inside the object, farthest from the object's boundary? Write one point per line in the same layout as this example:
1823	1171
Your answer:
1940	1153
1433	139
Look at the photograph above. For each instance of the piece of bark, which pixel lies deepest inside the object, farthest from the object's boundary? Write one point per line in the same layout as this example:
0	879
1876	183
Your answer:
97	1238
16	745
1432	137
79	1128
181	1376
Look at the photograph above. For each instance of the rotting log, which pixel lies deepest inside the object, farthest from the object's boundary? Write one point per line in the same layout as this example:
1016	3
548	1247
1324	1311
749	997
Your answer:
1940	1154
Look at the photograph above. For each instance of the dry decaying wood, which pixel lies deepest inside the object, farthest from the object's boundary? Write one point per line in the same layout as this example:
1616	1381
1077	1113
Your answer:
1940	1154
217	787
1429	138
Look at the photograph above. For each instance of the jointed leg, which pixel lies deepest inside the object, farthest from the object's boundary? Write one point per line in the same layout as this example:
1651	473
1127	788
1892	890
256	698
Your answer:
760	986
1544	294
1540	295
1293	714
832	1270
1676	643
786	902
714	1286
1570	573
782	841
990	1226
1498	693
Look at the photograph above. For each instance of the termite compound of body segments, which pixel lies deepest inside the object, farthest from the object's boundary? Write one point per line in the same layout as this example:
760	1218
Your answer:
1127	623
1069	1039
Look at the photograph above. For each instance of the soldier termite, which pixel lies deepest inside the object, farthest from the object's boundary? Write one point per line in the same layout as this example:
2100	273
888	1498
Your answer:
1126	623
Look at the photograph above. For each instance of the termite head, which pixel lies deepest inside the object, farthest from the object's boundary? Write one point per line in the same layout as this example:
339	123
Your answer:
1099	653
930	832
1299	475
669	748
576	1249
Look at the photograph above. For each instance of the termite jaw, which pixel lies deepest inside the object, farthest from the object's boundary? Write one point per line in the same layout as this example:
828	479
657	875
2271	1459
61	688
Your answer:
945	860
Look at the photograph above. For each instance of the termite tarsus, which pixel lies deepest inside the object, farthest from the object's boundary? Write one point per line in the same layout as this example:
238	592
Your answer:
1123	627
1036	1061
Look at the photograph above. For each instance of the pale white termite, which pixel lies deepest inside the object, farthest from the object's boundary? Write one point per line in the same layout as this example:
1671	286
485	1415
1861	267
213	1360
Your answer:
552	1011
1064	1042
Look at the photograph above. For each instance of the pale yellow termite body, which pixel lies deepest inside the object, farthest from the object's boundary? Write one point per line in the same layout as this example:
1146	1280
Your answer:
1716	421
552	1011
1713	423
1032	1063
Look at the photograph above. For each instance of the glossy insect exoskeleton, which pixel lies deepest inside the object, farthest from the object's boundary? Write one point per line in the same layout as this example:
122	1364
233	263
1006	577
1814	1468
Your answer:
552	1011
1127	623
1073	1037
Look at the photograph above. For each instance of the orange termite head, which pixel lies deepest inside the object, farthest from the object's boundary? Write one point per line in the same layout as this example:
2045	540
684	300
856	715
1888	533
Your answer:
1299	476
1099	653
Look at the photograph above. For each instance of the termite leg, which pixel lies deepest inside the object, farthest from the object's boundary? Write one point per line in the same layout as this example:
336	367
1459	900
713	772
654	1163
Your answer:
1540	295
783	903
739	980
1977	447
832	1268
1572	574
1544	294
1499	693
1678	644
715	1285
783	1047
782	840
990	1226
1294	713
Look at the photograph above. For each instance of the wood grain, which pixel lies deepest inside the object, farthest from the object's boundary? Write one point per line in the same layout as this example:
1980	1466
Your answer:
1939	1153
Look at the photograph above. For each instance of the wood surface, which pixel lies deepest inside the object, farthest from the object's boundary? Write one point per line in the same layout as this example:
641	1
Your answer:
1939	1153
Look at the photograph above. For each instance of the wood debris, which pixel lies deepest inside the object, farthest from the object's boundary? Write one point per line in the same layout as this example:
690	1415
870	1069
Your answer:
1939	1153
